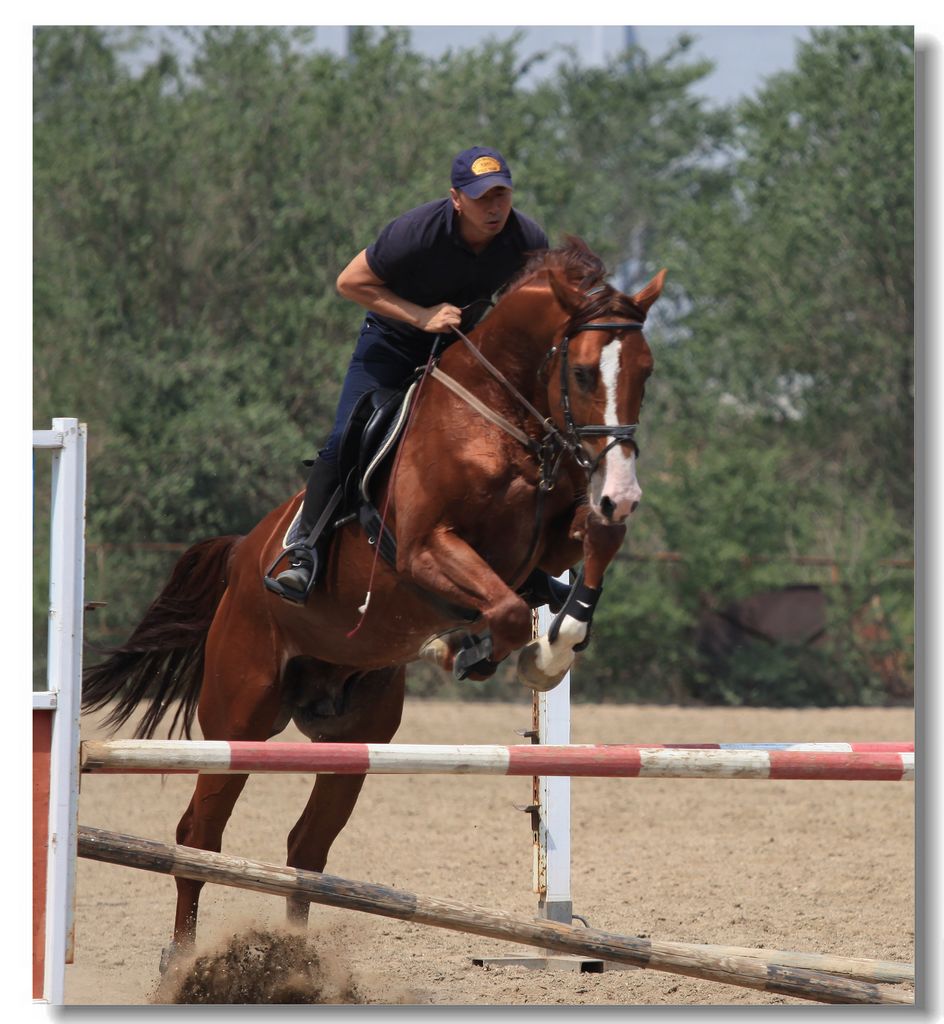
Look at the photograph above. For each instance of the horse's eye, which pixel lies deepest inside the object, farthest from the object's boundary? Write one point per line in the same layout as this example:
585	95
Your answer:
585	377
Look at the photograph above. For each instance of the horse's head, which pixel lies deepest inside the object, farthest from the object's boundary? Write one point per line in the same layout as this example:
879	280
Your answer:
596	381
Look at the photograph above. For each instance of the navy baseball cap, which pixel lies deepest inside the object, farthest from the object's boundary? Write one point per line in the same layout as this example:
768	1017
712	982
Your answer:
476	170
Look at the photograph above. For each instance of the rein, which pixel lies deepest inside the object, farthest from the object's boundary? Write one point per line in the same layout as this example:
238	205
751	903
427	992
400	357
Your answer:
569	442
480	407
545	421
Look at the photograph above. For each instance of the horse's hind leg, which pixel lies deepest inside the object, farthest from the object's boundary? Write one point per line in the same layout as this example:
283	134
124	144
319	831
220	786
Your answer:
202	827
239	701
379	697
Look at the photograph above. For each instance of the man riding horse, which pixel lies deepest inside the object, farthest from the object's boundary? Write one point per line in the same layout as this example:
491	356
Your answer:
520	463
432	269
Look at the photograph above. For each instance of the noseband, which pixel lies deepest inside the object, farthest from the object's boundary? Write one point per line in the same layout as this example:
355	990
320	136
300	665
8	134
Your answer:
621	433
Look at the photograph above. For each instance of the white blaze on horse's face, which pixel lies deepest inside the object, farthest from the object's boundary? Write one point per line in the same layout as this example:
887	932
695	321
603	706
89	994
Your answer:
614	489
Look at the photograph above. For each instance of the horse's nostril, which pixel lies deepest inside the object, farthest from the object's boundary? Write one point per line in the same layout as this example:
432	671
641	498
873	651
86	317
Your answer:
607	507
634	506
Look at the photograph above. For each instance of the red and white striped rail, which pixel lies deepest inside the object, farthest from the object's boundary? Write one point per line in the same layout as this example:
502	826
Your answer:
677	761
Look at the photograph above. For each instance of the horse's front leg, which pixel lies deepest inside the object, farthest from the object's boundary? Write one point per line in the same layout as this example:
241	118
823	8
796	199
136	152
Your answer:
544	662
445	564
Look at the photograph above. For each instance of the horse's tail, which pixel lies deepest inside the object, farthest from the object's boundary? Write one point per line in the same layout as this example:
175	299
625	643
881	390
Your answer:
163	659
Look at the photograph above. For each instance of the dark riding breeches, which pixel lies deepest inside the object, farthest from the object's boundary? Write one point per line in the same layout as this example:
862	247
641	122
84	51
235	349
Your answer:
376	363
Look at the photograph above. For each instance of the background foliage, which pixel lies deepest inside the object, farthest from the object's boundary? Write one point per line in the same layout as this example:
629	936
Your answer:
190	219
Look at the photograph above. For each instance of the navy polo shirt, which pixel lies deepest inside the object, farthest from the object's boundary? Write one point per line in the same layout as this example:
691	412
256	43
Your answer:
421	257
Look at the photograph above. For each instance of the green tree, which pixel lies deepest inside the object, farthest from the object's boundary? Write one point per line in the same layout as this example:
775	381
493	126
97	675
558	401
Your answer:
194	205
781	407
191	220
801	278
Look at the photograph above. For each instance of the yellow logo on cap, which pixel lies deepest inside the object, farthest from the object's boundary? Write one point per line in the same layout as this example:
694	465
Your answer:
486	165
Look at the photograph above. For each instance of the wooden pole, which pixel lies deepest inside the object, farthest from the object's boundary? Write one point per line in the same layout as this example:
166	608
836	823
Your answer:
729	968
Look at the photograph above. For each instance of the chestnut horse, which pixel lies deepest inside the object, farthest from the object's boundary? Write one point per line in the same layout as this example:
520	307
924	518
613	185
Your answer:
519	455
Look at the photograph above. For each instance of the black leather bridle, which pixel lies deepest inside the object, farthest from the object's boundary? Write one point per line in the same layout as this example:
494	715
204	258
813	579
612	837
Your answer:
621	433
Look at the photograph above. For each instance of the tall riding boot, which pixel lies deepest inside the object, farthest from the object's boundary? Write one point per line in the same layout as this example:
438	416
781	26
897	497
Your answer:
323	481
542	589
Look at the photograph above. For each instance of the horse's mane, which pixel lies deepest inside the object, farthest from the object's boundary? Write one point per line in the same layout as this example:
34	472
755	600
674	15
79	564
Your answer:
575	264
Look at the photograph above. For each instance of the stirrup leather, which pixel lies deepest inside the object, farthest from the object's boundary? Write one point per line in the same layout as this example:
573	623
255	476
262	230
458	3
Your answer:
307	545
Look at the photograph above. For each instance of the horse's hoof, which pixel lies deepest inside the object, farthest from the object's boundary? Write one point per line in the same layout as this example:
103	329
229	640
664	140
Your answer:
531	675
437	648
170	955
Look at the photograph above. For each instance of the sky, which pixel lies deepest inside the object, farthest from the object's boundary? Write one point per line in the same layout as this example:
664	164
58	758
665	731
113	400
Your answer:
744	54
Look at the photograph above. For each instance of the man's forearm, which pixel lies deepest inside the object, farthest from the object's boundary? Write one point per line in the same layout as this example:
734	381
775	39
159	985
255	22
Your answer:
379	299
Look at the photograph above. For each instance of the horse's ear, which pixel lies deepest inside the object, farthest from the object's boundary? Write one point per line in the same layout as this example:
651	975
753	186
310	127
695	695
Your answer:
651	292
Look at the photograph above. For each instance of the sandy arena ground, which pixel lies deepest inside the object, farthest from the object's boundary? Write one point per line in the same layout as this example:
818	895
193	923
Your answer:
814	866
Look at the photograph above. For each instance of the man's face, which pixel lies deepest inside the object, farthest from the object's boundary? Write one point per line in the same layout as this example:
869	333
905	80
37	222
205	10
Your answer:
485	216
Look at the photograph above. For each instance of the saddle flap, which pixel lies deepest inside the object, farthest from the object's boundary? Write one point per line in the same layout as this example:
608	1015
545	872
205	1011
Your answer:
370	437
377	428
382	435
